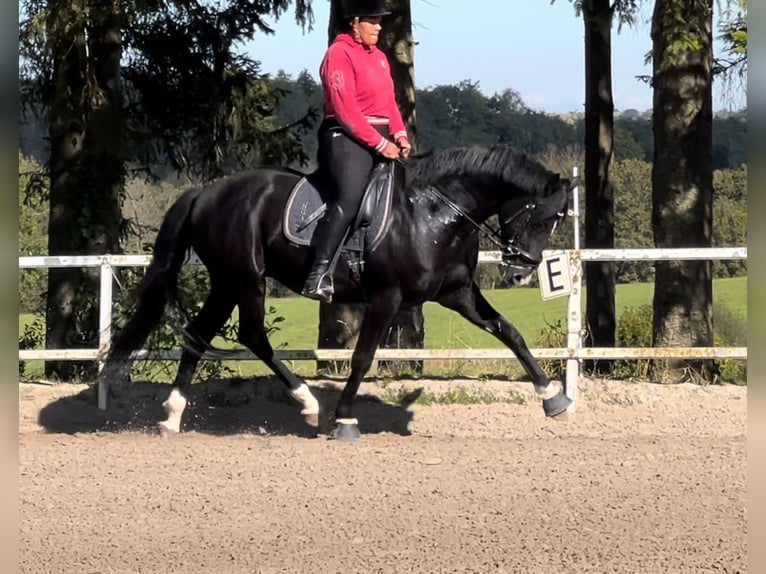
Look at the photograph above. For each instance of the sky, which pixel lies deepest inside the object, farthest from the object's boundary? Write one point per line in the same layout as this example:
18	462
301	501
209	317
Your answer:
530	46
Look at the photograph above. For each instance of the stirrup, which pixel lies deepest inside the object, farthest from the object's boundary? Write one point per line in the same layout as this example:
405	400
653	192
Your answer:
316	289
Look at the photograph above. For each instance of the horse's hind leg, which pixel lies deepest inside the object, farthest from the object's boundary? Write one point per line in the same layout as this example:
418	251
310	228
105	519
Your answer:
200	331
252	334
472	305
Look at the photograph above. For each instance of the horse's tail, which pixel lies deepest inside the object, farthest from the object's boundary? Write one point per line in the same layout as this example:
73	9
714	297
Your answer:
158	286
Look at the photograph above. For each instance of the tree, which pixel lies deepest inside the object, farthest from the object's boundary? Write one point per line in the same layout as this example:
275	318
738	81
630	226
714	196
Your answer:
406	329
301	98
202	105
86	166
599	152
599	194
452	115
632	179
33	239
339	323
135	82
398	43
682	181
625	146
733	32
730	218
730	141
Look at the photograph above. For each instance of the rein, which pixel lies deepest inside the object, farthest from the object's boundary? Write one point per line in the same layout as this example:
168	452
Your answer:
491	233
509	248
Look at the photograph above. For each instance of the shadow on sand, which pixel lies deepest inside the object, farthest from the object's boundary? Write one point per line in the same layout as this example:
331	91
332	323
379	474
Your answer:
220	407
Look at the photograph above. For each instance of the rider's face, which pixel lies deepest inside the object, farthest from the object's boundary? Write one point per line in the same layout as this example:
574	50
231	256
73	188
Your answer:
367	29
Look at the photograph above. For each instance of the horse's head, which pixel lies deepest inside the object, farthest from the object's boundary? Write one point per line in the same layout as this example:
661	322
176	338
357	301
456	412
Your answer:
526	226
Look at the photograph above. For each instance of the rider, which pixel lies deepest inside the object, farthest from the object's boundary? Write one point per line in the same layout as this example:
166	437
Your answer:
361	118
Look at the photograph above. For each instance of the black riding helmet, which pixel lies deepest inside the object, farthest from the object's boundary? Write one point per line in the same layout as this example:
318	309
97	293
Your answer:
363	8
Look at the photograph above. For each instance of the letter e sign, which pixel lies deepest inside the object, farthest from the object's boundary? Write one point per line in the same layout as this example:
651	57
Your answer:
554	277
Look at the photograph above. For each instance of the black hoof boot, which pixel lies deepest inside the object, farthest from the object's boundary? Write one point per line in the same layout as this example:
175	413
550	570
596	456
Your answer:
556	405
346	430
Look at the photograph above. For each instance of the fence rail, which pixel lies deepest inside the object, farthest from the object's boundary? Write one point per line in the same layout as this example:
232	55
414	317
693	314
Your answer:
574	353
412	354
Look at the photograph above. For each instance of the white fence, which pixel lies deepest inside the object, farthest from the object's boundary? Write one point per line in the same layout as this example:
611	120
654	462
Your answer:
574	353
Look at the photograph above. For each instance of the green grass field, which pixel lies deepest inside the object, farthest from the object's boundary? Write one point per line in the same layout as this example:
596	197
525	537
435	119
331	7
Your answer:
447	330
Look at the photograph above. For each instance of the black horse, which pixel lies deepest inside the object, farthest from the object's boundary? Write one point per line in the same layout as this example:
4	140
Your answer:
421	245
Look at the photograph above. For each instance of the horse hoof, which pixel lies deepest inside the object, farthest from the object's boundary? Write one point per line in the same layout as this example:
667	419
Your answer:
312	420
166	432
556	405
346	430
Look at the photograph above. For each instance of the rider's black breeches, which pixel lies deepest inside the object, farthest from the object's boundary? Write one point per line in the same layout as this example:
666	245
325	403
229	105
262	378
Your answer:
346	166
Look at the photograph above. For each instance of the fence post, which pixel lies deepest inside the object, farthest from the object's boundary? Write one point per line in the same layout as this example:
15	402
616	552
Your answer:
104	324
574	310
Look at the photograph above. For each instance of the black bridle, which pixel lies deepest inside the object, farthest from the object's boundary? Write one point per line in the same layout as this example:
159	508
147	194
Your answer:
512	252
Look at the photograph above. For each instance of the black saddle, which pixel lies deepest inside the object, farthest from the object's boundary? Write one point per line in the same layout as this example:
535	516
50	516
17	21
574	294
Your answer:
307	204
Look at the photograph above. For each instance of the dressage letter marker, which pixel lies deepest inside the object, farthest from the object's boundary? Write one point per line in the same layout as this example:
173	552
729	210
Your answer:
554	277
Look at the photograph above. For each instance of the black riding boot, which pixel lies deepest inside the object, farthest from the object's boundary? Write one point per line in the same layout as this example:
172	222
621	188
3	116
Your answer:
329	235
318	284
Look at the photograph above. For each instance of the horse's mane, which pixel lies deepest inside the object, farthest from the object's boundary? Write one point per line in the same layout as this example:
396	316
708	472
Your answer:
499	161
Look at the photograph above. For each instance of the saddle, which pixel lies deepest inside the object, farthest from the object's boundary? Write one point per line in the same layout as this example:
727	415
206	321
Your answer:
307	203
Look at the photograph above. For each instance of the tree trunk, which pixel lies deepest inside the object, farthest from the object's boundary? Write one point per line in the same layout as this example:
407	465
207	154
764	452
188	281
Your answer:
406	329
338	329
86	174
398	44
682	182
332	25
339	324
105	142
67	136
599	194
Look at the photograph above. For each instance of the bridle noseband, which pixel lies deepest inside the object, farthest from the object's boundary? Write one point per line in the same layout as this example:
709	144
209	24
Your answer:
512	249
512	252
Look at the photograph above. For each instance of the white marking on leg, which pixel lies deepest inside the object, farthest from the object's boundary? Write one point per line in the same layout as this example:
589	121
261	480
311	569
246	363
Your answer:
174	408
547	392
347	421
303	395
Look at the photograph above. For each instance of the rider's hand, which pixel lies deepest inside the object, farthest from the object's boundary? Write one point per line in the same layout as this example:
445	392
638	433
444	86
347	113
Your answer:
404	145
391	151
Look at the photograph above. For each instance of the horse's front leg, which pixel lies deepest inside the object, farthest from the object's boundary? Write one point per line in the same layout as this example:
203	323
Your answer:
377	315
472	305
